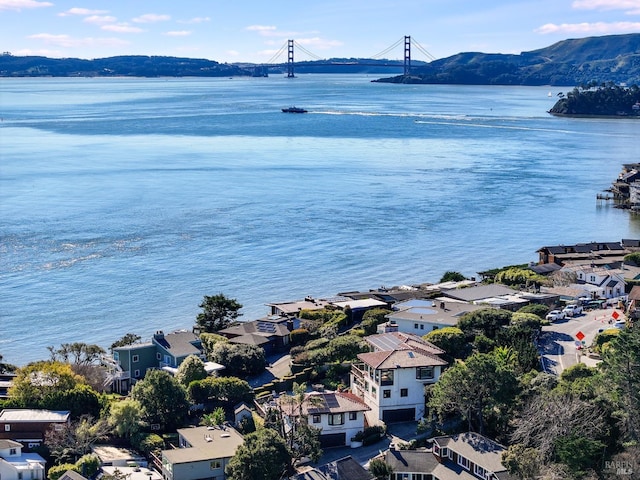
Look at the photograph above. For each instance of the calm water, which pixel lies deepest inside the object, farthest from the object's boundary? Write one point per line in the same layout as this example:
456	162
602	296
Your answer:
124	201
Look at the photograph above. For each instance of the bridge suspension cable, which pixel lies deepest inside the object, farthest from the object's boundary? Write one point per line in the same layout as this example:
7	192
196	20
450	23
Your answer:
312	55
273	59
423	50
388	49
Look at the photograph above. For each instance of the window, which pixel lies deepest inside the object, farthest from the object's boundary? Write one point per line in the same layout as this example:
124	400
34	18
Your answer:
435	327
421	327
386	377
158	356
463	461
386	393
478	470
424	373
58	427
13	451
404	392
215	464
7	427
316	419
336	419
374	391
415	325
136	373
135	358
353	415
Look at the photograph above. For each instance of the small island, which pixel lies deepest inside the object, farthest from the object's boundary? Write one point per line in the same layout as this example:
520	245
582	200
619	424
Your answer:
605	100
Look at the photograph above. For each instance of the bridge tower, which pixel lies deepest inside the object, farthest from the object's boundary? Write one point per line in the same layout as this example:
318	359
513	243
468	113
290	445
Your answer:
290	59
407	54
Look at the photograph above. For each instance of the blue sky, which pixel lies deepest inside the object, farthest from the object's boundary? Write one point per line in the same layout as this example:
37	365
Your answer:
254	30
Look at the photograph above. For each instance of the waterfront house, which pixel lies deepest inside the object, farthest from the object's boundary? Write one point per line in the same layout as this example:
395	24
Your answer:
592	253
593	282
17	465
29	426
130	363
203	452
391	378
338	415
464	456
423	316
270	333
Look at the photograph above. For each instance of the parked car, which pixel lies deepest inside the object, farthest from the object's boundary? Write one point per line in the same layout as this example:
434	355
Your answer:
572	310
554	315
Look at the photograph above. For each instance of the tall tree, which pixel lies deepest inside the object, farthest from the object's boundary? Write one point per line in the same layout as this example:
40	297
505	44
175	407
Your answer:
239	360
72	441
191	368
163	399
621	366
473	388
262	456
218	312
38	381
125	417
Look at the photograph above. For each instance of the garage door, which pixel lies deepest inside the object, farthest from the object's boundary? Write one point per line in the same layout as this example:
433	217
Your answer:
399	415
333	440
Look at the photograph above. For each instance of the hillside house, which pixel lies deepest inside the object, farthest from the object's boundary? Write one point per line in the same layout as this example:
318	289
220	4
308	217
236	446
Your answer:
203	452
17	465
465	456
391	378
338	415
423	316
29	426
130	363
270	333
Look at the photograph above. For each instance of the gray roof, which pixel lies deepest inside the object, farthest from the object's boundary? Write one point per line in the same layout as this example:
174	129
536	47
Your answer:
6	443
207	443
476	448
479	292
179	344
26	415
343	469
420	460
401	341
71	475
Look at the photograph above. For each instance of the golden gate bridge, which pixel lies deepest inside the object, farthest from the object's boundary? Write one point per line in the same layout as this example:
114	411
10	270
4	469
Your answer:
291	45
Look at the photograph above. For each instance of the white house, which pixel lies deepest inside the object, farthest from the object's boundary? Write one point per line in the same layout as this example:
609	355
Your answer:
15	465
339	415
423	316
601	282
391	378
203	452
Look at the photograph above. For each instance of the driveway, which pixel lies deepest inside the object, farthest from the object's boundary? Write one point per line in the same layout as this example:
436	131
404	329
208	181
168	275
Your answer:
557	343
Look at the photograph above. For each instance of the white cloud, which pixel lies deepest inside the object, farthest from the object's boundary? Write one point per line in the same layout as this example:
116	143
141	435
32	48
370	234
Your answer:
100	19
196	20
122	28
589	28
606	4
68	41
22	4
178	33
264	30
151	18
82	11
318	43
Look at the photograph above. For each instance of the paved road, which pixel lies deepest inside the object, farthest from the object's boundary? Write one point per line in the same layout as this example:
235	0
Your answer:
557	341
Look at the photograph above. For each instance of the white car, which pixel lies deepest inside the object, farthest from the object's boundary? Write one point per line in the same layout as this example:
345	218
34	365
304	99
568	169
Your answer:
572	310
554	315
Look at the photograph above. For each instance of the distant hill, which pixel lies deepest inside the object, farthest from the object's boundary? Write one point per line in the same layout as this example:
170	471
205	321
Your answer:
128	65
612	58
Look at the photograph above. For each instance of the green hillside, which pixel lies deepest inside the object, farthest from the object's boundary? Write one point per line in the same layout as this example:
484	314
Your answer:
612	58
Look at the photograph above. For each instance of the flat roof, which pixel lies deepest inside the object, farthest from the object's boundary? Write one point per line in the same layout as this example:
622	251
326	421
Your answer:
25	415
207	443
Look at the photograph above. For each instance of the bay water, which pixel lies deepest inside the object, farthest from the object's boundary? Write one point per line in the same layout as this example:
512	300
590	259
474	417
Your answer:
123	201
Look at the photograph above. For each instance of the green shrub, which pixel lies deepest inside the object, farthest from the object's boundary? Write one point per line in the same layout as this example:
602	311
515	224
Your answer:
88	465
535	308
147	442
57	471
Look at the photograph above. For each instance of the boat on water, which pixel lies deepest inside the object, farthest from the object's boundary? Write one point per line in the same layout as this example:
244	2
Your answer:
294	110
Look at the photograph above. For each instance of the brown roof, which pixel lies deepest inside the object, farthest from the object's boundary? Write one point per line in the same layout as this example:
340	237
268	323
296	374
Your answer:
402	341
326	402
405	358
